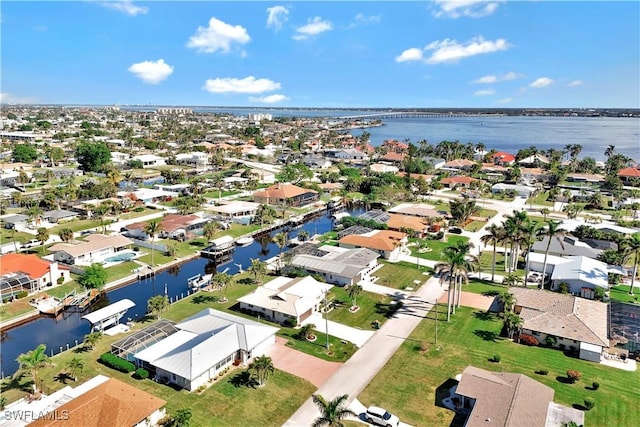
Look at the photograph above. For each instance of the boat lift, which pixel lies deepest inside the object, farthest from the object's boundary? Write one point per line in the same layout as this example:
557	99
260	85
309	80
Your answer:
109	315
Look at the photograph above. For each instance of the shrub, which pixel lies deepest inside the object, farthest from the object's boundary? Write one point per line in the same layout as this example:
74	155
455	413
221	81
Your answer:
22	294
117	363
589	403
542	371
141	374
563	288
573	375
595	385
527	339
550	341
60	280
496	358
139	209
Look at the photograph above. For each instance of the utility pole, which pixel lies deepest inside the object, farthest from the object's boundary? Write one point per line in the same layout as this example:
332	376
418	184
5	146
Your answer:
436	323
326	318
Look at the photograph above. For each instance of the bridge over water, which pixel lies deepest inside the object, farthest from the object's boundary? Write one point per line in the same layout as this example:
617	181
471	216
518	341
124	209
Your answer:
386	115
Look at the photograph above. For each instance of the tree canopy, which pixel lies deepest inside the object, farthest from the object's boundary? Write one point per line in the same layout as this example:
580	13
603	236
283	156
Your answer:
24	153
92	156
95	276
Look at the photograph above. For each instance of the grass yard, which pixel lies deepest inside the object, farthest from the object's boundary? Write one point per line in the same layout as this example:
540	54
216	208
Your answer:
621	293
372	307
339	350
407	385
437	246
399	275
226	402
540	198
15	309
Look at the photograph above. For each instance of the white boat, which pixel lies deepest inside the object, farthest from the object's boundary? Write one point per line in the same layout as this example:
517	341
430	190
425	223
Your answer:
244	241
48	305
199	281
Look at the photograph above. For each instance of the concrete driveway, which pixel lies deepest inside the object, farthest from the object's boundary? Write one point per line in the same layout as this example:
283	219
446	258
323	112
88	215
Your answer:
300	364
344	332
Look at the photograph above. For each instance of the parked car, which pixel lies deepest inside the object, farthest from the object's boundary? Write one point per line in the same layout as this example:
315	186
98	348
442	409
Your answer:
379	416
30	244
455	230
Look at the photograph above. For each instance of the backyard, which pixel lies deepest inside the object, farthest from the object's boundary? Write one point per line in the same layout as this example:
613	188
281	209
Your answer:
407	385
400	275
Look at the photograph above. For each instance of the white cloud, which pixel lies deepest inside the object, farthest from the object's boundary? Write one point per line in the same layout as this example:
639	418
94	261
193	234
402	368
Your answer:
494	79
269	99
541	82
468	8
7	98
504	100
450	51
314	27
362	19
278	15
125	6
575	83
218	36
412	54
484	92
151	72
247	85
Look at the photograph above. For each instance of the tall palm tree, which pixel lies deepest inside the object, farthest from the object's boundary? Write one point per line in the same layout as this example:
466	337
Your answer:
448	270
42	236
263	367
332	412
512	323
152	228
258	268
354	291
210	229
528	235
66	234
467	264
494	236
280	240
223	281
75	366
632	250
551	231
508	301
32	361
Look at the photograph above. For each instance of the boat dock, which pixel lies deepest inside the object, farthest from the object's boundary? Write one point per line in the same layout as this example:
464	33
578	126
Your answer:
48	305
82	301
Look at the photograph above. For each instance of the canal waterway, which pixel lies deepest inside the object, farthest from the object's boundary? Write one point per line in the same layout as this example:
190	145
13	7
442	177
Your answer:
69	328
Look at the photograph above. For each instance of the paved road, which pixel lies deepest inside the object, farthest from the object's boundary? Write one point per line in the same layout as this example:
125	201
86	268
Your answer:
363	366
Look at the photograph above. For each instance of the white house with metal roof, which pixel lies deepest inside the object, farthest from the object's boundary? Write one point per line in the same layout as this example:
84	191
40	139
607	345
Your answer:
205	344
340	266
96	248
286	298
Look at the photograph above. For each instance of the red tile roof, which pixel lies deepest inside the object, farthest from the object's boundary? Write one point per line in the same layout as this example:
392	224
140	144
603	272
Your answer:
32	265
503	156
282	191
633	172
385	240
458	180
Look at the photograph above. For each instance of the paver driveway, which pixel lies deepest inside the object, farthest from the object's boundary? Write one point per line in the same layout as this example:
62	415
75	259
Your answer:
469	299
300	364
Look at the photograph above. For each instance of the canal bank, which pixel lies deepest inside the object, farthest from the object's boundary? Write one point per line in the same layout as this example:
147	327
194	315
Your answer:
68	328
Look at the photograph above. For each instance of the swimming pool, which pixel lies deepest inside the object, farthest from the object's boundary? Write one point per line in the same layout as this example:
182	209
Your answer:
125	256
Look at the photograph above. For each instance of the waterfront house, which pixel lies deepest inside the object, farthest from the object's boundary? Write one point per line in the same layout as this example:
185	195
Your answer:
507	399
455	182
22	272
502	158
236	211
520	190
573	322
415	226
282	193
194	159
150	160
285	298
458	165
534	161
205	344
630	176
336	265
99	402
96	248
387	243
172	226
420	210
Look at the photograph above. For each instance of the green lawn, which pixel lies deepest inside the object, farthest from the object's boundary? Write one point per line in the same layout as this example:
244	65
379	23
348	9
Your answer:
372	307
540	198
621	293
399	275
339	350
486	264
407	384
437	246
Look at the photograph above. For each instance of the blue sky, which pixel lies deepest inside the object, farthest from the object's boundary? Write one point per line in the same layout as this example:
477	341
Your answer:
323	54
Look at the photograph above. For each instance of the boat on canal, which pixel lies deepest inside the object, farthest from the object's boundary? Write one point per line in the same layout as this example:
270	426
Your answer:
48	305
244	241
199	281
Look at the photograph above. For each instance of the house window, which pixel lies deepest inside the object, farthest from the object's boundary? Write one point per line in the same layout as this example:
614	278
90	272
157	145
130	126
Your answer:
535	333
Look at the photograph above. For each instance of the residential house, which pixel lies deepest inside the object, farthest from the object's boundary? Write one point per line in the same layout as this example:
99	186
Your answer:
393	157
571	321
347	155
566	246
96	248
336	265
415	226
458	182
589	178
194	159
383	168
389	244
285	298
150	160
502	158
534	161
99	402
118	158
204	345
394	146
174	226
458	165
15	221
435	162
57	215
534	175
629	176
22	272
581	273
520	190
504	399
236	211
282	193
316	162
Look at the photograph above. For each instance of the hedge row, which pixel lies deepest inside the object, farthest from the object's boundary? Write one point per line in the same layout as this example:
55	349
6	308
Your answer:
117	363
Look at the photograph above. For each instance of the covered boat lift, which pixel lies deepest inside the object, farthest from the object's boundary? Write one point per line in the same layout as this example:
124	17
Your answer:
109	315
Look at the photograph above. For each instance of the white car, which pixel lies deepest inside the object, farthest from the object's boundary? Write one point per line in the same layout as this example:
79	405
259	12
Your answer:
379	416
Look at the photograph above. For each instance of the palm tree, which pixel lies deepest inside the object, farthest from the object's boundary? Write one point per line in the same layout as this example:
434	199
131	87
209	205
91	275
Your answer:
258	268
157	304
494	236
66	234
551	231
512	323
152	228
306	331
303	235
333	412
280	240
75	366
32	361
632	249
223	281
449	270
529	231
354	291
263	367
91	339
210	229
512	280
468	264
42	236
508	301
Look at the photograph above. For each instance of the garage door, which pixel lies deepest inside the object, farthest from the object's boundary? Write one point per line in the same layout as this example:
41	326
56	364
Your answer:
306	315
